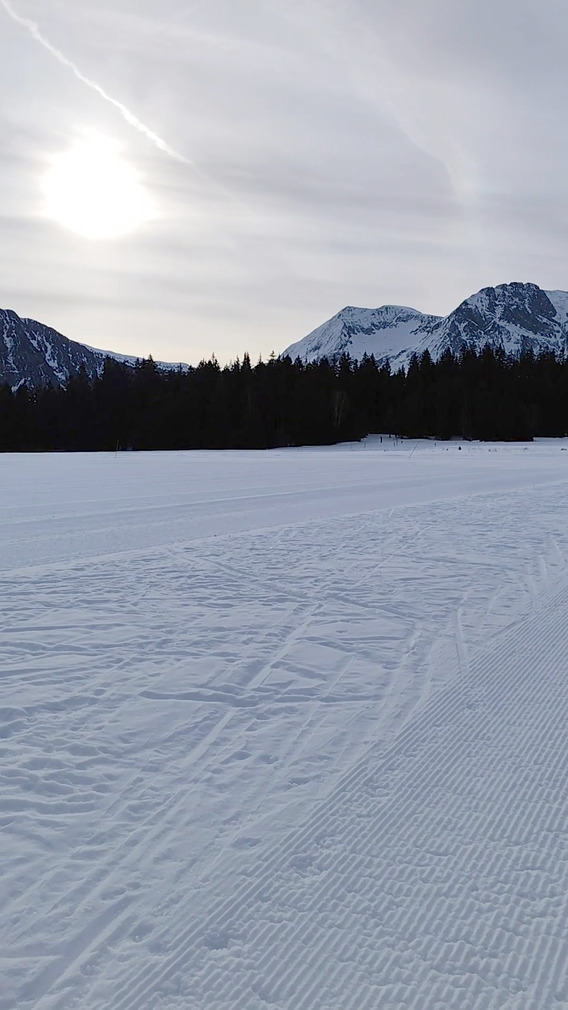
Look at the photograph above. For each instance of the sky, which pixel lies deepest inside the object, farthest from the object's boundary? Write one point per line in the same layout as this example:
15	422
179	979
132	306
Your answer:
193	177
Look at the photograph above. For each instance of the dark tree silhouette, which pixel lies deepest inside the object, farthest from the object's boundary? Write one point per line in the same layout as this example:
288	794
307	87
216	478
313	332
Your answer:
281	402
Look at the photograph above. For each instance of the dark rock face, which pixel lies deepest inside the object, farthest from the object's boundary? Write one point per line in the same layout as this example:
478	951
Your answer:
524	306
38	355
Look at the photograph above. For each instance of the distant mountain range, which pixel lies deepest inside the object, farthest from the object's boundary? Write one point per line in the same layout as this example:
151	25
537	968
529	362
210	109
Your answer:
36	354
515	317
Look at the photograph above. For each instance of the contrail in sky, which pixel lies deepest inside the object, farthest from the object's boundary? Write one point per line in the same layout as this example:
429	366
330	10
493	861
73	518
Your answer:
126	114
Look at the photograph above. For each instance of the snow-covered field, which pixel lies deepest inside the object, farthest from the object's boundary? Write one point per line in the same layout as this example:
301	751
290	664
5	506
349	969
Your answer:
285	730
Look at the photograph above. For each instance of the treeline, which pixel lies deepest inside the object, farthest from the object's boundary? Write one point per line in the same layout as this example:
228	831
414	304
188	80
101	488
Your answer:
282	402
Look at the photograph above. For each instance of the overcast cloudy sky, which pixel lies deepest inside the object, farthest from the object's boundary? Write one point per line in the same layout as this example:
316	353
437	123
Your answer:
286	157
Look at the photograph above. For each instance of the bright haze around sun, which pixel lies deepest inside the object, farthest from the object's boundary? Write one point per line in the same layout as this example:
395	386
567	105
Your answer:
93	191
182	178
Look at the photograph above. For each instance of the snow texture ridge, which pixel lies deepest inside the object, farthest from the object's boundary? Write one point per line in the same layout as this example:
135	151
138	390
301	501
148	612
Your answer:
285	730
512	317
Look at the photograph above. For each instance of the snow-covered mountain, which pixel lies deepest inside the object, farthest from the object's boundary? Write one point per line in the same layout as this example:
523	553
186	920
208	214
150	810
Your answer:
514	317
36	354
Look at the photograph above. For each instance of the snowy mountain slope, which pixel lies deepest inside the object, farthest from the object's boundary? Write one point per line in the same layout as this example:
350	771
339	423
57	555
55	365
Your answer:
37	354
356	332
515	317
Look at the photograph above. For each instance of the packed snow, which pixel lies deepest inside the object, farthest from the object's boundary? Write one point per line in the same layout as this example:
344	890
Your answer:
285	729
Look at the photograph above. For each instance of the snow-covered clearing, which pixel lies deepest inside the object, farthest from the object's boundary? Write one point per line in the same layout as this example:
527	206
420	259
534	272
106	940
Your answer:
285	730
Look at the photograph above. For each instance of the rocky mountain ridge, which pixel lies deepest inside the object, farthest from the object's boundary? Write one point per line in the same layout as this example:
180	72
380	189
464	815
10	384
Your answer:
513	317
33	353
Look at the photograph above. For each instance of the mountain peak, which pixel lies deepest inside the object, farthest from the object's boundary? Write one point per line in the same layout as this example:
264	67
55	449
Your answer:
514	316
36	354
354	330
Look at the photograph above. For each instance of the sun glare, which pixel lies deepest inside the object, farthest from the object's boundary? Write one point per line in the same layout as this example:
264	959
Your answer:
93	191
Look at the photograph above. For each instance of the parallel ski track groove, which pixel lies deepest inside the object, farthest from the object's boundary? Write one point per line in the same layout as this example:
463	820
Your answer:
420	735
358	841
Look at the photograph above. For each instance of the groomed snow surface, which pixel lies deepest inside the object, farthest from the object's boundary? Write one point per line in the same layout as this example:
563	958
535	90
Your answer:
285	730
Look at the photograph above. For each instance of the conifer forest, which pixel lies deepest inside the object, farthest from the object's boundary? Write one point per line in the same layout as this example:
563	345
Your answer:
280	402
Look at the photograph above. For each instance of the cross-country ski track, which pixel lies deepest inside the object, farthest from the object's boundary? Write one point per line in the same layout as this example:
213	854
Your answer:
306	754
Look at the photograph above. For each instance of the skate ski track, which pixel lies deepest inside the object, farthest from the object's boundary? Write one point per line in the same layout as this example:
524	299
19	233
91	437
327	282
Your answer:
283	731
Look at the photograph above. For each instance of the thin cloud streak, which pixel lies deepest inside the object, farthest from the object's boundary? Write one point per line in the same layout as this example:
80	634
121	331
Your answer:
342	152
126	114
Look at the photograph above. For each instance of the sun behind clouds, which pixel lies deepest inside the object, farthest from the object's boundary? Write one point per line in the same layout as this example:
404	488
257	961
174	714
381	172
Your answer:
92	190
